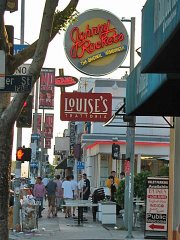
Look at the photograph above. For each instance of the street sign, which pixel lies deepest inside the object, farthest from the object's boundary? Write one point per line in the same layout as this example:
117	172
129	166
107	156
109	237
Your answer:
80	165
35	136
22	69
19	47
17	83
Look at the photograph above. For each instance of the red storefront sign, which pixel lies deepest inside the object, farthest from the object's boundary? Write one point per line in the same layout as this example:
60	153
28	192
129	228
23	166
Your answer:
65	81
93	107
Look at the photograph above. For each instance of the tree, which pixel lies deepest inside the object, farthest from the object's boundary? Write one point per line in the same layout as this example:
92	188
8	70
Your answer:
53	21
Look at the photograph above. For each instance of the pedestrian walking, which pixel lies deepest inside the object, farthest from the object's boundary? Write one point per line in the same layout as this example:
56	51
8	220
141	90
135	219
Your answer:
39	192
67	194
58	193
75	191
51	189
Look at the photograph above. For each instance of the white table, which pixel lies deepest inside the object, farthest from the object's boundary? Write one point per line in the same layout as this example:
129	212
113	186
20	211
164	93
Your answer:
80	204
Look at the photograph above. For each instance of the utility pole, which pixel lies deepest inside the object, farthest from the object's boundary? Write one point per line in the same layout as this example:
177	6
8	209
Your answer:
16	210
129	189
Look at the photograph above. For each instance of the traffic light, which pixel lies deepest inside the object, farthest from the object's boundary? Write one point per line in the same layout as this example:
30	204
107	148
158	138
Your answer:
23	154
115	151
25	118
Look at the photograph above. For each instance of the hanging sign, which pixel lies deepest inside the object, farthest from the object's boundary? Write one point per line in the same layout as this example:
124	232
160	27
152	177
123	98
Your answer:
93	107
65	81
97	43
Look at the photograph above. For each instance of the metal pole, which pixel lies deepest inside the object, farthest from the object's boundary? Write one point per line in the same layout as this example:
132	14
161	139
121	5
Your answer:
36	108
42	147
16	209
33	173
131	140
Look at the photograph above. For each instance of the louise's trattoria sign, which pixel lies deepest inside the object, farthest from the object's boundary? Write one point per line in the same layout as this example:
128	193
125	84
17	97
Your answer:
97	43
157	204
94	107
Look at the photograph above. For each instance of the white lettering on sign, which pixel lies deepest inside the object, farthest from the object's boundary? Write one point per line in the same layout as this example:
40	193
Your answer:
164	12
83	104
86	106
25	81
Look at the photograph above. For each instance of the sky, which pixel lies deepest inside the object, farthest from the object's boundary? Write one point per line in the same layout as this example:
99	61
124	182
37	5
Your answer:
56	57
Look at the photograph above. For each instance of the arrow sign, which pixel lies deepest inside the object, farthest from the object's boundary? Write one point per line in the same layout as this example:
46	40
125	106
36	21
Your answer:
17	83
153	226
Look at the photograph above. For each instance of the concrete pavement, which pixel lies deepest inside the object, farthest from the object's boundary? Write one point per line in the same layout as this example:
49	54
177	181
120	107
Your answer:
67	229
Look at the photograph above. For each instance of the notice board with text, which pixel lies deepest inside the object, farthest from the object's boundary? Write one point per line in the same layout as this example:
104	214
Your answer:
157	207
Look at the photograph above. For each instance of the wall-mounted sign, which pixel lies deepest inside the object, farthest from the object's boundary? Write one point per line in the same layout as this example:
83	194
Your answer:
97	43
65	81
93	107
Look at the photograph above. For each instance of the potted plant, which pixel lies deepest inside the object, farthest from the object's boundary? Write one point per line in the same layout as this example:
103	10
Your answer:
140	184
140	189
119	195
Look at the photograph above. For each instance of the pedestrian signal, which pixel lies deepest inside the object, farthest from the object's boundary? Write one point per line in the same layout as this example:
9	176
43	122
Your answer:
115	151
25	118
23	154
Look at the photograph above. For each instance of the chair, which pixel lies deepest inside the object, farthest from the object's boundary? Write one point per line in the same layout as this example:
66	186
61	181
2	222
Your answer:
97	196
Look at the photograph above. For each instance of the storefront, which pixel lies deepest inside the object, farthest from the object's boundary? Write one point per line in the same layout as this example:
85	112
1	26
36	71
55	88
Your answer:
159	94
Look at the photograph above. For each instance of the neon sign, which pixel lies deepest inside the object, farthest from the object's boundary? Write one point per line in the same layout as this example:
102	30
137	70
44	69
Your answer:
97	43
82	40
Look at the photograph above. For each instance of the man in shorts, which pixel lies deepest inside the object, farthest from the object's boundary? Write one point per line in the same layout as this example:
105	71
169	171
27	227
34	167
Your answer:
51	189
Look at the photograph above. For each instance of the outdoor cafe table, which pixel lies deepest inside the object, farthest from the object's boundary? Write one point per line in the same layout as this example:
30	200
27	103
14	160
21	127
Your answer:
80	204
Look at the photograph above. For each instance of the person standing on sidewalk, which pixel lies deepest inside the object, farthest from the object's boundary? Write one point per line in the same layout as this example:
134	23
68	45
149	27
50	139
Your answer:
75	191
58	193
39	192
86	189
51	189
67	194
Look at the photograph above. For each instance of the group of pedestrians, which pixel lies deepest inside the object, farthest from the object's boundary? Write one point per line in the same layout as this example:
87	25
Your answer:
57	190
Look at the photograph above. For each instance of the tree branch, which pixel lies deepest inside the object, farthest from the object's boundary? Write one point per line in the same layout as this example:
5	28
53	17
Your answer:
14	108
59	22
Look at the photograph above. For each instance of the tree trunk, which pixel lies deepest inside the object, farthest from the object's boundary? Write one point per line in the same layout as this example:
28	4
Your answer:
6	141
9	111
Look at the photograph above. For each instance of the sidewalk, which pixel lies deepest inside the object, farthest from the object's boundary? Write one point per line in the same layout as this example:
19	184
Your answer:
67	229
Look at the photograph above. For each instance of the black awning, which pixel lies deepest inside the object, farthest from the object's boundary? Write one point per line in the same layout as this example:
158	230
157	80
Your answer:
62	164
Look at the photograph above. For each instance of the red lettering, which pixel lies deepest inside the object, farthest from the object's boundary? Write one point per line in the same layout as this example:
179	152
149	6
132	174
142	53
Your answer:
82	41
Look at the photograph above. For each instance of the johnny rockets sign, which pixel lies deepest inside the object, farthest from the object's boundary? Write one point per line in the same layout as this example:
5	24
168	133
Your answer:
97	43
78	106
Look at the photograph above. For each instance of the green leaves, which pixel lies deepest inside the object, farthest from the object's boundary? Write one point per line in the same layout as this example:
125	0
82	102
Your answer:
140	184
